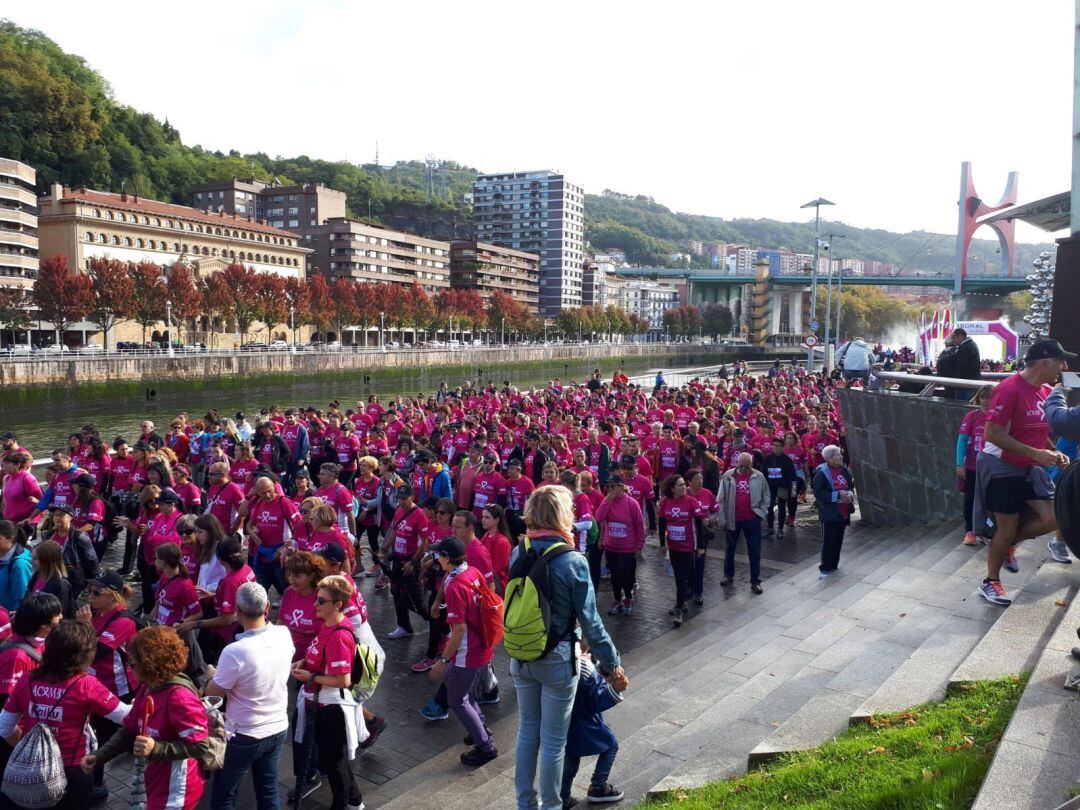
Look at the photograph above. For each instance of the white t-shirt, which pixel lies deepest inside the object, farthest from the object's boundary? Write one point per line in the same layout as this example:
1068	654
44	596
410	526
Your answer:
254	670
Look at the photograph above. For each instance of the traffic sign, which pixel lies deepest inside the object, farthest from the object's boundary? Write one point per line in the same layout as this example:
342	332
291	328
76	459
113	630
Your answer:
814	326
810	341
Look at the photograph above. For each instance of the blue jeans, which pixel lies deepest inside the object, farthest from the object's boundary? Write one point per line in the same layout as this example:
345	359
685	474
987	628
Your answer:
261	757
751	529
545	695
604	763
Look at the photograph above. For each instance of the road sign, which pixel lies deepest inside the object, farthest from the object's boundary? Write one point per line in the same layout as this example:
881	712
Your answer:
810	341
814	326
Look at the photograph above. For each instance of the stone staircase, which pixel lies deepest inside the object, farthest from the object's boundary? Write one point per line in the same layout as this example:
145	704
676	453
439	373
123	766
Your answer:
755	677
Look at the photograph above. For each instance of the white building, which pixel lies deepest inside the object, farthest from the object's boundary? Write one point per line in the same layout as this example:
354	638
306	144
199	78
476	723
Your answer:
18	225
537	212
648	299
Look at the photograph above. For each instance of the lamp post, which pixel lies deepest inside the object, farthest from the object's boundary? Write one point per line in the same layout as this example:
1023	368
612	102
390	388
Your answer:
168	325
502	335
382	330
292	327
828	292
816	205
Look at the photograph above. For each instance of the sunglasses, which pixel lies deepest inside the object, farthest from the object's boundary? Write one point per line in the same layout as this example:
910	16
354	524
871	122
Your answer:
187	532
320	601
96	591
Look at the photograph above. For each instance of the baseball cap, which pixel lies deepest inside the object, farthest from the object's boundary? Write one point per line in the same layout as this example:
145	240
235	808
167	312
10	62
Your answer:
1047	348
168	496
334	553
424	457
489	458
181	468
404	491
7	435
109	579
303	474
83	480
239	414
514	462
63	507
450	547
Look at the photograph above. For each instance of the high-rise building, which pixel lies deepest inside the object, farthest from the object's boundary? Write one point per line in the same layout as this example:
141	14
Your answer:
599	286
487	268
294	208
18	224
537	212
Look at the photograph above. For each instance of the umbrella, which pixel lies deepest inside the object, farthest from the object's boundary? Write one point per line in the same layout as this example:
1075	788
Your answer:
138	774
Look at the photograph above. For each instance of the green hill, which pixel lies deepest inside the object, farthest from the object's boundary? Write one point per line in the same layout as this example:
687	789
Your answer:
59	115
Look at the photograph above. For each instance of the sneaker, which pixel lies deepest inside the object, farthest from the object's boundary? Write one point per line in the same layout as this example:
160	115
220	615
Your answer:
382	583
628	606
374	570
569	803
677	618
1010	561
355	806
969	539
983	541
769	533
726	582
604	795
699	600
489	698
791	521
755	588
475	757
605	572
616	610
399	632
433	711
823	574
305	789
97	795
376	727
993	591
423	665
468	740
1072	682
1059	552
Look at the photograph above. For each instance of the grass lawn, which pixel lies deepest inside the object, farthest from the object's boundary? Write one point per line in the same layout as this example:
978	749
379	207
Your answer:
932	756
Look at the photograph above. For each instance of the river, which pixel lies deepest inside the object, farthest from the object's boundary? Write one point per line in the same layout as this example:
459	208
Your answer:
46	427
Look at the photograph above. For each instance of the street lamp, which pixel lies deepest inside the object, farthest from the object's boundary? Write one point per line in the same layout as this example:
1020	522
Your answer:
382	330
292	327
168	325
502	336
816	205
828	293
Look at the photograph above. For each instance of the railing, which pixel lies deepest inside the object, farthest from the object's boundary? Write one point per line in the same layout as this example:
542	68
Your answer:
932	383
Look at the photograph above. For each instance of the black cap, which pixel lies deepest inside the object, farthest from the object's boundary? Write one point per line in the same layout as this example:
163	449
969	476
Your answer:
7	435
404	491
168	496
1046	348
514	462
431	502
450	547
302	474
628	462
239	414
63	507
83	479
424	457
109	579
334	553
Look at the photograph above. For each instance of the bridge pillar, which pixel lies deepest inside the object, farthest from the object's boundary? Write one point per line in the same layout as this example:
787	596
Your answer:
972	207
760	310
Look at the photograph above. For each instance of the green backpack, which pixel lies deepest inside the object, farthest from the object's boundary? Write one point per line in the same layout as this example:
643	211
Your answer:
593	536
527	632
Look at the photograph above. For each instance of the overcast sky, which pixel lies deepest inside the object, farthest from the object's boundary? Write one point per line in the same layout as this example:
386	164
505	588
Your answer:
725	108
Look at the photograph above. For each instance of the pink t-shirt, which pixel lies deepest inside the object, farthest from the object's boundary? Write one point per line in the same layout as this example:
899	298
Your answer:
973	426
114	632
222	501
478	557
176	600
225	597
177	714
408	530
839	482
487	489
498	549
1018	406
14	663
462	608
64	707
679	513
297	613
160	529
517	492
274	520
190	496
19	488
743	509
243	473
329	653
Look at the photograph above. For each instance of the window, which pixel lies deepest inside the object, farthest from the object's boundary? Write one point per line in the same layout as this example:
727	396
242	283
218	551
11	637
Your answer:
139	243
152	244
145	221
294	223
110	213
116	240
157	222
121	217
96	213
89	237
101	238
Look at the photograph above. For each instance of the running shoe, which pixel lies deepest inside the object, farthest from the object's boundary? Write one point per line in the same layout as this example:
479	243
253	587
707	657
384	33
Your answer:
374	571
969	539
569	804
382	583
423	665
677	619
791	520
604	795
489	698
475	757
1010	561
823	574
628	606
993	591
433	711
616	610
376	727
399	632
769	533
1059	552
726	582
305	789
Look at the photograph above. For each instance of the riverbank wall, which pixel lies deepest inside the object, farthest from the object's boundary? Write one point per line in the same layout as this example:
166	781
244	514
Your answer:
31	381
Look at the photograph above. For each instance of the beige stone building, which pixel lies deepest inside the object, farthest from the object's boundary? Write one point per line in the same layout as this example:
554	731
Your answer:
487	268
18	225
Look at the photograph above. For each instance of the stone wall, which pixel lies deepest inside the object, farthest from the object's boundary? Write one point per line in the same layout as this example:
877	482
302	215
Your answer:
903	453
211	366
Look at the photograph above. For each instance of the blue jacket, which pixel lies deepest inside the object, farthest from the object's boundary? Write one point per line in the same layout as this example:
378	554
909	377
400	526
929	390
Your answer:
440	486
828	511
572	596
589	735
15	573
1064	421
302	446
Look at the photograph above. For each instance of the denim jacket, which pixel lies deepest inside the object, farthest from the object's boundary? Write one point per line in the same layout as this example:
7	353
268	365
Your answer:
572	596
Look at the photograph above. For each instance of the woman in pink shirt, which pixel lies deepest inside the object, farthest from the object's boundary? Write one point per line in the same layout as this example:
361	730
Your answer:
622	539
21	491
497	543
677	514
176	597
304	570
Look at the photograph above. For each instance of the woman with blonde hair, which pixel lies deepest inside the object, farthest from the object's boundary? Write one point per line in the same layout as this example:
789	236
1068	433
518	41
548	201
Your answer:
546	686
51	576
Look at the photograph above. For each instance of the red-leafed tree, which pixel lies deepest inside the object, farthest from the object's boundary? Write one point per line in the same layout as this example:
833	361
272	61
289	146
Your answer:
505	314
150	295
238	284
62	295
321	304
113	290
187	301
345	311
421	311
271	301
216	304
470	308
396	305
298	296
370	301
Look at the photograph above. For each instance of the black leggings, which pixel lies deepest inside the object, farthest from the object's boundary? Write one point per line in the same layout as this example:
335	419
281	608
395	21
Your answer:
373	538
407	592
682	562
437	627
969	498
623	567
330	740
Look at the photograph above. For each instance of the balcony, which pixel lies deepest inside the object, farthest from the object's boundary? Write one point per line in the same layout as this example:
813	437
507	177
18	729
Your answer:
17	194
16	238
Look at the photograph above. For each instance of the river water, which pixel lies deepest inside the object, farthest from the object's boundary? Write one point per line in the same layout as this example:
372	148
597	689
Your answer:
46	427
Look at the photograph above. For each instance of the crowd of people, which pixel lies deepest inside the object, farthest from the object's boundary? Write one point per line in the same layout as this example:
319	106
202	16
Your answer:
236	610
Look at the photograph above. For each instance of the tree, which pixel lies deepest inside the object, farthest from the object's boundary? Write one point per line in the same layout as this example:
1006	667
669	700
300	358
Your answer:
238	284
150	296
15	304
187	301
368	298
62	295
216	304
321	304
298	297
396	305
345	311
717	320
504	313
113	290
271	300
421	311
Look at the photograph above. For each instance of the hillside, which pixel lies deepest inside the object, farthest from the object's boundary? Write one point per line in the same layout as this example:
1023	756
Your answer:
59	115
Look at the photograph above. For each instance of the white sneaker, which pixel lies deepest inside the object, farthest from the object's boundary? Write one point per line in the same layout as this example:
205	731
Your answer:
399	632
1059	552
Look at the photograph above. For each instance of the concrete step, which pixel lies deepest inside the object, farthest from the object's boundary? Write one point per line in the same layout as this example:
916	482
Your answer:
1037	763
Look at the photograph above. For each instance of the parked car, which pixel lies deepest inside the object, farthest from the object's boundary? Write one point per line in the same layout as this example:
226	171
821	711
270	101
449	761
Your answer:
56	348
278	346
255	346
91	348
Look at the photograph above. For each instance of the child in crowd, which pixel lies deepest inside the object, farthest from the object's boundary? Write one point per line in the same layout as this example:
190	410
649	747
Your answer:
589	735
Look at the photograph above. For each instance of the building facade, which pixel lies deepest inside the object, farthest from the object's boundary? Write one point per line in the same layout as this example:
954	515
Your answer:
487	268
648	299
295	208
537	212
18	225
599	286
346	248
